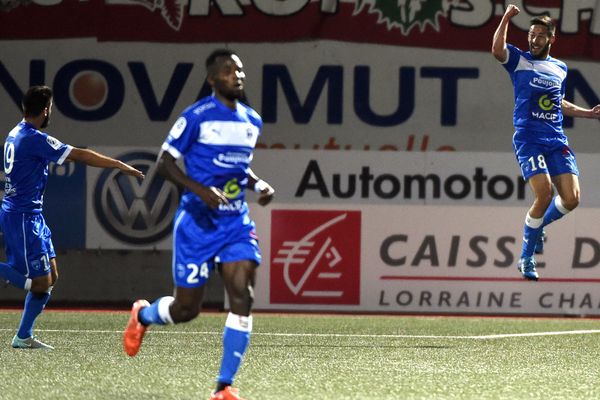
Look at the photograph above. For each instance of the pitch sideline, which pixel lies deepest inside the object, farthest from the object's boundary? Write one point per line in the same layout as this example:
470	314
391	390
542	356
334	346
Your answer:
342	335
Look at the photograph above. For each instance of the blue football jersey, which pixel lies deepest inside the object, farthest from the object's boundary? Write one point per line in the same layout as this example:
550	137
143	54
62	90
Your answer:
27	153
217	144
539	87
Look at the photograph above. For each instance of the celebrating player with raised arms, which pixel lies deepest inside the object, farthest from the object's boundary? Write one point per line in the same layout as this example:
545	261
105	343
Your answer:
540	145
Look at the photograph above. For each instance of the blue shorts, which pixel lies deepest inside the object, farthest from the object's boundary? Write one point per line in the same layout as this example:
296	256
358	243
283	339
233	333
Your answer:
28	243
554	158
199	243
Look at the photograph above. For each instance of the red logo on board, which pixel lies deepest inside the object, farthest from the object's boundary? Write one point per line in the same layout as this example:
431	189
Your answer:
315	257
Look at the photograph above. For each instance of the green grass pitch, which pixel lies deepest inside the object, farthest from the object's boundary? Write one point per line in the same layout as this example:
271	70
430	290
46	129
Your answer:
309	356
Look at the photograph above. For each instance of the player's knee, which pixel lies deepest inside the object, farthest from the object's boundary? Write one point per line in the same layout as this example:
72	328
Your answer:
184	312
570	202
39	286
241	300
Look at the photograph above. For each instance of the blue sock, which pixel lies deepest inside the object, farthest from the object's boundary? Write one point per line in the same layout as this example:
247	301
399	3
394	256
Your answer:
158	312
554	211
531	232
236	337
34	304
12	276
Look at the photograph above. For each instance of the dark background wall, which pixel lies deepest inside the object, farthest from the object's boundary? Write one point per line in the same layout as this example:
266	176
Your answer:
111	278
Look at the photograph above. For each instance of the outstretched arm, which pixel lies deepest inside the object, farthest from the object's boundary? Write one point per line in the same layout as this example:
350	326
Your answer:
168	168
94	159
499	41
571	110
266	191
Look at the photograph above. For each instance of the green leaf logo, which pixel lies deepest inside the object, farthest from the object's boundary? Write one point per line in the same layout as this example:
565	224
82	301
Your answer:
406	14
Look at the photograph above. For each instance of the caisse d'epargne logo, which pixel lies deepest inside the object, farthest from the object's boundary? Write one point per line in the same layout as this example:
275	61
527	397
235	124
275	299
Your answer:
315	257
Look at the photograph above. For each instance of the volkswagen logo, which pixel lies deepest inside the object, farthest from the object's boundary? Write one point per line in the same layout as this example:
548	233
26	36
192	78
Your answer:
132	210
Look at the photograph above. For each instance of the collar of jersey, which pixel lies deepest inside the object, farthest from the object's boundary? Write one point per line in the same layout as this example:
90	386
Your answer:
27	124
532	58
223	106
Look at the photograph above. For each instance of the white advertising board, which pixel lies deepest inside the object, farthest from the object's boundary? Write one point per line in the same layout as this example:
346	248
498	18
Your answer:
361	254
411	259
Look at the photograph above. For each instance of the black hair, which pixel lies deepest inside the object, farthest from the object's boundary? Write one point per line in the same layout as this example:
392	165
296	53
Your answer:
35	100
546	21
212	58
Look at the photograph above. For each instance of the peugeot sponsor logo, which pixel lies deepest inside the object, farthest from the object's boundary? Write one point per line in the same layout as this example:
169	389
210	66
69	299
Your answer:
132	210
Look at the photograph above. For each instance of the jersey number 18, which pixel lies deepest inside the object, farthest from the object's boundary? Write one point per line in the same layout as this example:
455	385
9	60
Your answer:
541	162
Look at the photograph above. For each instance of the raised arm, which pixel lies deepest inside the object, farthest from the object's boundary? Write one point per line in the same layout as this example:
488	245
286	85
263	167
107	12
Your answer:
571	110
266	191
168	168
94	159
499	41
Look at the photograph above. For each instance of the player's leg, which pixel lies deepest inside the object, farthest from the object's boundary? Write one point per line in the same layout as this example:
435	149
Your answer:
562	166
564	172
567	199
183	307
567	186
542	189
13	277
35	301
36	255
563	203
239	278
541	186
192	265
534	168
8	272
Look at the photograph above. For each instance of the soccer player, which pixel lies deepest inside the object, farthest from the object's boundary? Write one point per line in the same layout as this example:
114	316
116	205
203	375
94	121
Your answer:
540	145
212	229
31	258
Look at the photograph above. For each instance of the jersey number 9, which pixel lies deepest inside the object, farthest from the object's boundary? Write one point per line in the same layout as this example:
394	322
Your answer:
9	157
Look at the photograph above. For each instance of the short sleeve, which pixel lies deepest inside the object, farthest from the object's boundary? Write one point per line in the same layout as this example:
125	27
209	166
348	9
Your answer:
49	148
514	53
181	136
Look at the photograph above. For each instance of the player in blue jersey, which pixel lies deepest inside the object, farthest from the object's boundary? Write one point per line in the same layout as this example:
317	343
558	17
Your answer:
540	145
212	229
31	263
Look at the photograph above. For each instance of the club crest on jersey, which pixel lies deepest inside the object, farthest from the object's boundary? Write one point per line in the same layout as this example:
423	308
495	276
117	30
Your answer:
178	128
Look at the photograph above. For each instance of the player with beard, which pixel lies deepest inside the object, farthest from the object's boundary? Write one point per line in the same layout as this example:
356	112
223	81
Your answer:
540	145
31	258
212	229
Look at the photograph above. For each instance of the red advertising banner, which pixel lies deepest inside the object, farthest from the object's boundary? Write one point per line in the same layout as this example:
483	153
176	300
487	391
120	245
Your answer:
441	24
315	257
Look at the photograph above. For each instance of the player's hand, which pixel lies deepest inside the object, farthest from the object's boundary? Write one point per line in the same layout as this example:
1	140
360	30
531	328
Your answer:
129	170
266	195
596	112
511	11
212	196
